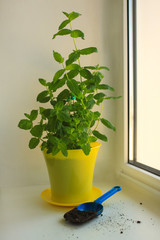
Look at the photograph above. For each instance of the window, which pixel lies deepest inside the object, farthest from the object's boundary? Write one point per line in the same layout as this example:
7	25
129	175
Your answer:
144	84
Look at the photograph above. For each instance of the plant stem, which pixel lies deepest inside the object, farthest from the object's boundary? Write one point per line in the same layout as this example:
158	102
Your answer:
65	71
76	50
73	38
99	116
50	93
78	62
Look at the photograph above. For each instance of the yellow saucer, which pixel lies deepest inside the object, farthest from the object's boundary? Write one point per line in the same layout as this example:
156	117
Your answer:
46	196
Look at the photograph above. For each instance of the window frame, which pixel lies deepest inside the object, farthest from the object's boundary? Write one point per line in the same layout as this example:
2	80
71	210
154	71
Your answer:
132	85
125	171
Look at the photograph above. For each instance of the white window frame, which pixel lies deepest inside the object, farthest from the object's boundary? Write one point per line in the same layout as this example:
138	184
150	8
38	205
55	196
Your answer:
126	170
132	91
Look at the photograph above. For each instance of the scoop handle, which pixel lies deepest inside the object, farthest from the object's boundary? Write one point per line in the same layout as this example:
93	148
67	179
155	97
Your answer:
108	194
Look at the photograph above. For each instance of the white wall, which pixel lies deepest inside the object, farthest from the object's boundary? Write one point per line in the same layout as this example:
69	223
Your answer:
26	54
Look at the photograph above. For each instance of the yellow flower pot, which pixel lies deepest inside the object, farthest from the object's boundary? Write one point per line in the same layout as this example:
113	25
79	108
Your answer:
71	177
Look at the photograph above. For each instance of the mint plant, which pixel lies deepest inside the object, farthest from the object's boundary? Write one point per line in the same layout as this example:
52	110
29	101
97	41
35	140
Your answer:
70	122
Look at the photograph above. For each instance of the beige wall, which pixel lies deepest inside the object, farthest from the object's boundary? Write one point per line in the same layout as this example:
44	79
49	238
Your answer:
26	54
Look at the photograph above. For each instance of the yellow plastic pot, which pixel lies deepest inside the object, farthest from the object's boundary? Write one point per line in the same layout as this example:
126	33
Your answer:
71	177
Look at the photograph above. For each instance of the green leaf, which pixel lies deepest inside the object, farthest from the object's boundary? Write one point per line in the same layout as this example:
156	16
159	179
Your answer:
103	67
96	115
86	73
68	130
52	124
76	120
47	112
25	124
62	146
73	67
90	67
96	80
55	150
100	136
99	101
63	24
58	84
58	74
86	148
92	123
33	115
66	14
113	97
89	97
74	87
90	104
63	95
105	87
73	15
37	131
77	33
83	138
87	51
57	56
42	97
59	105
99	75
63	116
42	81
27	115
52	112
43	146
46	99
89	115
41	110
92	139
108	124
90	88
53	140
33	143
64	152
99	96
72	73
72	57
62	32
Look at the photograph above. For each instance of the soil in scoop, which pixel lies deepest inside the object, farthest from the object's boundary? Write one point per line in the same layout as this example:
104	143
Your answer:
77	216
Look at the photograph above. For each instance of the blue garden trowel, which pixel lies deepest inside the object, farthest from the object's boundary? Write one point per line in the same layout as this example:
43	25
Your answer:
89	210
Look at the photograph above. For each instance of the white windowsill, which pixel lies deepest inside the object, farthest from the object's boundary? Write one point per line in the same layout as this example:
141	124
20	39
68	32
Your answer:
24	215
141	177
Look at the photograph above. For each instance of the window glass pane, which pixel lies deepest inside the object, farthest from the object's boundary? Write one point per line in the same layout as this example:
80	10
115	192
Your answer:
148	82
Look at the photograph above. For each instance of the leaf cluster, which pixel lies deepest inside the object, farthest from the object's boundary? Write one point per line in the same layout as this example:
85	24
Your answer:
70	122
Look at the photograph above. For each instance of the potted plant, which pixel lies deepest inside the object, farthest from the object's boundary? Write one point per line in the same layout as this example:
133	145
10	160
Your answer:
67	130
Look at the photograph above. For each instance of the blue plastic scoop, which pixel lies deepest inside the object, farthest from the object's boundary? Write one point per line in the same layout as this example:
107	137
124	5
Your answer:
89	210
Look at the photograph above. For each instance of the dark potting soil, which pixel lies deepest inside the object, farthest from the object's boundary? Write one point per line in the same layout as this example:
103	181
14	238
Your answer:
77	216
